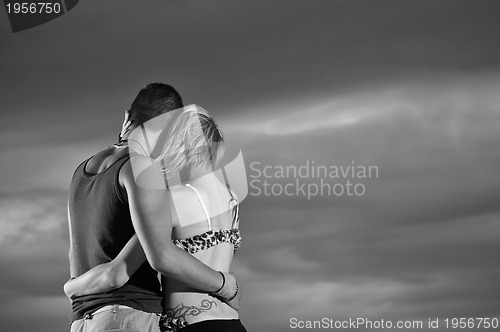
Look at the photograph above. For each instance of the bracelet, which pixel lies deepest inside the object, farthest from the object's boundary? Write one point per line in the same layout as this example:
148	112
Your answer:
235	293
223	283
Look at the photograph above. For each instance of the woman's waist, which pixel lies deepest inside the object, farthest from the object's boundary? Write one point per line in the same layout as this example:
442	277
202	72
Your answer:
191	307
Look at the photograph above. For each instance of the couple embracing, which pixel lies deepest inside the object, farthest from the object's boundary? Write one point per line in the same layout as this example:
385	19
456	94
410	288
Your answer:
152	203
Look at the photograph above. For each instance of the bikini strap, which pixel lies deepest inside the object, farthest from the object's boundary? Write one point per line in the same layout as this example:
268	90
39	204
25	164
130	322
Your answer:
203	206
234	203
234	207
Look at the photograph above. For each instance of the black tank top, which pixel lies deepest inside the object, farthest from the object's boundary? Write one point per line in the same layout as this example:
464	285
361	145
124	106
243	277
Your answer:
100	227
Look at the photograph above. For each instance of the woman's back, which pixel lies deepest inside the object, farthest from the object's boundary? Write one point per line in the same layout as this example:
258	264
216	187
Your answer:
206	221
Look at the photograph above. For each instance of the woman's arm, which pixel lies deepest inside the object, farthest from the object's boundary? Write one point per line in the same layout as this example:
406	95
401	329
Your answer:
108	276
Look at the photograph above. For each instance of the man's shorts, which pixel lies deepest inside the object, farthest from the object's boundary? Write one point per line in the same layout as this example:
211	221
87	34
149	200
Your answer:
118	318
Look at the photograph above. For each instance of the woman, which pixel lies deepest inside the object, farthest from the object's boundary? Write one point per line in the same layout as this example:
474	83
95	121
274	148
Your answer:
205	224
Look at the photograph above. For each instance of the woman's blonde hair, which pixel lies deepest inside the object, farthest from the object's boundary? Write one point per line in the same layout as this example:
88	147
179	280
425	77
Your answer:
194	140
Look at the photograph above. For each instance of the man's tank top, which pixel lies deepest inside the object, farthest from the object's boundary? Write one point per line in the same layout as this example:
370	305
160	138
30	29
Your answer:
100	227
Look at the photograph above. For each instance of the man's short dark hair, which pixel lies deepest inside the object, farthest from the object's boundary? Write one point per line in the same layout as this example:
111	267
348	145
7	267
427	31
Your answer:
154	99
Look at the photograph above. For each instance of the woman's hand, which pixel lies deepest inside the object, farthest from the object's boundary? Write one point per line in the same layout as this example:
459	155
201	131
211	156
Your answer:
108	276
235	302
68	289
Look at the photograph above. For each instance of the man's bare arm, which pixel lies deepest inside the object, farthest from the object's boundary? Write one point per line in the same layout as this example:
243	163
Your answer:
150	208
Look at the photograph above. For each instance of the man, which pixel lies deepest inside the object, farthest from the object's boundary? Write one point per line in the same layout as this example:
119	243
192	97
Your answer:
106	208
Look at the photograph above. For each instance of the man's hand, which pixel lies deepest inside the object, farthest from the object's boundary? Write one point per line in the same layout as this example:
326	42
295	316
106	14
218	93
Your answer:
230	291
235	302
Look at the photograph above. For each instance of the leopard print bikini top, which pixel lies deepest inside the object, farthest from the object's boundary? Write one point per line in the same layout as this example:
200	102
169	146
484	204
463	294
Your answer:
212	238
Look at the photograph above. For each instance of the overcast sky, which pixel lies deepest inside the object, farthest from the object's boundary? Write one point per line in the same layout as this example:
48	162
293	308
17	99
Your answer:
411	87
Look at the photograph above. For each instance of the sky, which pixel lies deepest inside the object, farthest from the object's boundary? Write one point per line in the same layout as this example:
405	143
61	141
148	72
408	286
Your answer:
408	87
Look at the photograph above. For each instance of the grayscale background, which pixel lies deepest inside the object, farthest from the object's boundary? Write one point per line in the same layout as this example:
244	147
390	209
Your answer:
412	87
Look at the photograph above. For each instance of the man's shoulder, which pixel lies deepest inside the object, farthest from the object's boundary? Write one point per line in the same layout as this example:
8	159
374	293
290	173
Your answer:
133	165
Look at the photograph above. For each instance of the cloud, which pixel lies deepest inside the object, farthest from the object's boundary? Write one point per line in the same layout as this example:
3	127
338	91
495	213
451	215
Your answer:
34	242
425	233
48	313
363	268
441	107
44	164
27	216
420	238
437	150
370	299
409	87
